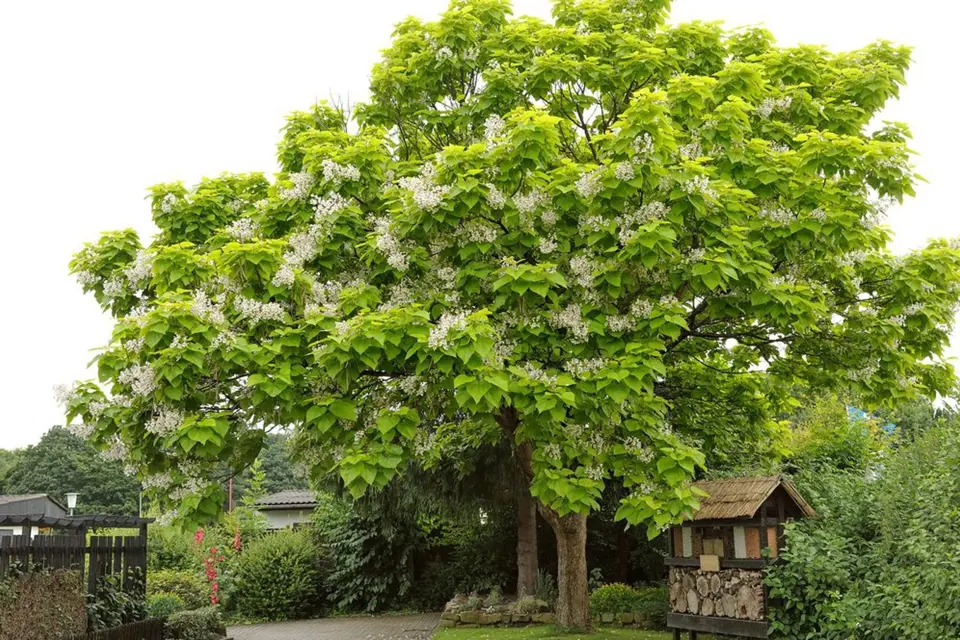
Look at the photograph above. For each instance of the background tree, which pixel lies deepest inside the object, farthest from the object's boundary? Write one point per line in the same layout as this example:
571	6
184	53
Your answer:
544	233
63	462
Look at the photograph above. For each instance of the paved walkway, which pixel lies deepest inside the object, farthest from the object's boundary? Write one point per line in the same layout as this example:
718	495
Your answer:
418	627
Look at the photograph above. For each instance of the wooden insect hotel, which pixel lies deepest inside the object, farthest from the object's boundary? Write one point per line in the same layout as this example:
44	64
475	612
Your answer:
717	558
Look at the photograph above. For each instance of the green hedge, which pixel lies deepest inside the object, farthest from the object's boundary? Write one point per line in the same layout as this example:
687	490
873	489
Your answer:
199	624
189	586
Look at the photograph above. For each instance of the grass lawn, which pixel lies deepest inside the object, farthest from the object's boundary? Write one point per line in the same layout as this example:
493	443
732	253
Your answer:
546	633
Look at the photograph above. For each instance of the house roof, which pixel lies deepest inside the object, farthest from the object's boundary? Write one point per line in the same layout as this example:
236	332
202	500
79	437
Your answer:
743	497
292	499
21	503
91	521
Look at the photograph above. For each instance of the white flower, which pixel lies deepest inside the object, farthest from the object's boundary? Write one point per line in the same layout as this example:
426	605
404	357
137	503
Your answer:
547	245
243	230
700	185
640	309
302	181
444	53
582	269
495	198
863	373
769	105
447	277
476	231
338	173
285	276
570	318
578	367
818	214
87	278
619	323
80	429
114	287
257	311
643	144
223	339
141	268
63	394
595	472
179	342
117	451
164	421
168	203
624	171
141	377
775	213
493	127
206	309
426	193
537	374
691	150
588	185
389	245
549	217
528	202
629	222
552	451
913	309
439	333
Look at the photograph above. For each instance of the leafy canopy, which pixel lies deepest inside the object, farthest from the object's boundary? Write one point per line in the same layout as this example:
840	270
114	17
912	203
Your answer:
604	239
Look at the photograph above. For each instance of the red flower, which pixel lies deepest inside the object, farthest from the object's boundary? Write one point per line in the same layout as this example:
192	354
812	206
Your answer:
198	536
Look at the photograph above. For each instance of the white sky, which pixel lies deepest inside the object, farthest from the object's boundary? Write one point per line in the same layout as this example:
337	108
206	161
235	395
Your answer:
99	100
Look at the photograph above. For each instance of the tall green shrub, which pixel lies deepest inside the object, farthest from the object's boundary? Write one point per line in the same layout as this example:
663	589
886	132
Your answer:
881	560
277	577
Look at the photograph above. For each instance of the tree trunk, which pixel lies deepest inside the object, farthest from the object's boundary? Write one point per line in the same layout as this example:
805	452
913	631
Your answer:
526	544
573	603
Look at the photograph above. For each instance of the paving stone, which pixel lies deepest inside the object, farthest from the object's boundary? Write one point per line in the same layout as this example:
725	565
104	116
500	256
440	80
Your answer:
417	627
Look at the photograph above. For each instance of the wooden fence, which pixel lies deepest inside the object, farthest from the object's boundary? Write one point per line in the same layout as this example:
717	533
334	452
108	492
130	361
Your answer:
124	556
151	629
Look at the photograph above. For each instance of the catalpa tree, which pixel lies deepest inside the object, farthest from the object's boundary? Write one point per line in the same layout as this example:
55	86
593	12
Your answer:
601	239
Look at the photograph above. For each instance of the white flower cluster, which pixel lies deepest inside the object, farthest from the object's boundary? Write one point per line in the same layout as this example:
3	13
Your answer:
447	277
223	339
776	214
549	218
643	144
595	472
700	185
629	222
257	311
493	127
578	367
477	231
570	319
898	320
117	451
141	268
339	173
582	269
444	53
80	429
179	342
413	386
97	407
168	203
495	198
424	443
552	451
440	333
114	287
913	309
695	255
427	194
636	447
591	224
537	374
164	421
302	181
87	278
206	309
639	310
588	185
243	230
389	245
325	298
547	245
853	258
769	105
285	275
63	394
862	374
691	150
818	214
527	203
141	377
624	171
329	205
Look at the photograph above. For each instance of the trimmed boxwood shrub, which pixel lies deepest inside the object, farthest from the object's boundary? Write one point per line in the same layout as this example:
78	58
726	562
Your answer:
613	598
199	624
164	605
189	586
277	577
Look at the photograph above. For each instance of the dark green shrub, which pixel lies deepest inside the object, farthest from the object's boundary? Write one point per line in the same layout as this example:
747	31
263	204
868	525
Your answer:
111	606
652	605
277	577
199	624
163	605
613	598
42	604
169	548
189	586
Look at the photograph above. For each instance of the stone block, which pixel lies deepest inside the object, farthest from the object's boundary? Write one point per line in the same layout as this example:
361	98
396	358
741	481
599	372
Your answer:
449	615
520	618
490	618
447	622
543	618
470	617
606	618
626	618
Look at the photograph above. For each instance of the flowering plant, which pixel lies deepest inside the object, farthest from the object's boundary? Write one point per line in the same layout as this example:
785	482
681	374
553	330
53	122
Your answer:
611	242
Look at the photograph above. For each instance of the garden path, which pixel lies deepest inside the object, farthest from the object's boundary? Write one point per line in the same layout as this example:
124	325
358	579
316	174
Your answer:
415	627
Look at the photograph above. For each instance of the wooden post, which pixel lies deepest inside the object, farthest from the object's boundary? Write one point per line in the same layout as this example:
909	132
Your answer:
676	634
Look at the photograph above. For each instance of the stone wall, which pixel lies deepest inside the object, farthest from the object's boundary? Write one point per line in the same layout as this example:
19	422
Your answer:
728	593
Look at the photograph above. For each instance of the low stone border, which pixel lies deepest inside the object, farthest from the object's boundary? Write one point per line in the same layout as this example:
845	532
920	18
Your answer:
480	619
